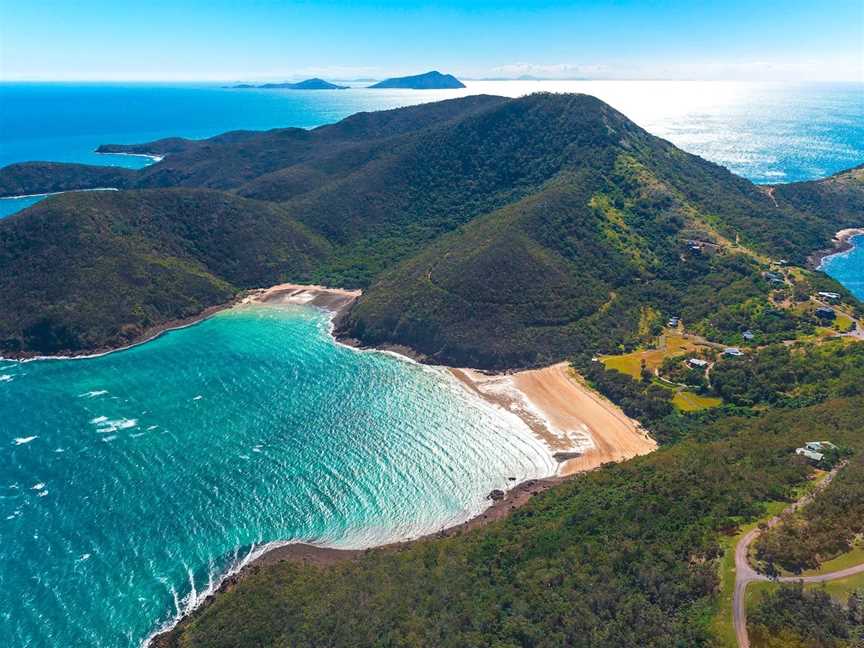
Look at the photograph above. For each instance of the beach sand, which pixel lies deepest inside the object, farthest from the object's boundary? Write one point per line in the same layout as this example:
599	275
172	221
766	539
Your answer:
332	299
582	429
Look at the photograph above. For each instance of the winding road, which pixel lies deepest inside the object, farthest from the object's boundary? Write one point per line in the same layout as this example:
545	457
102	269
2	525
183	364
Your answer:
745	574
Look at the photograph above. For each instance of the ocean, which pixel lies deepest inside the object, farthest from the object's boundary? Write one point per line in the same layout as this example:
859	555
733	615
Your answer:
848	267
130	482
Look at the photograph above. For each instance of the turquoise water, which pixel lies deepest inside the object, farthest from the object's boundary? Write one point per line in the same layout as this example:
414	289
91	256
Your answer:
768	132
9	206
130	482
848	267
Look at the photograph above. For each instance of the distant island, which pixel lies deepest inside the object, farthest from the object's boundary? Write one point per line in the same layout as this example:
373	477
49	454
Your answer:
429	81
308	84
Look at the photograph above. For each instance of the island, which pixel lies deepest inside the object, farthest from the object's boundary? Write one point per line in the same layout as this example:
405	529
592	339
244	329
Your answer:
308	84
433	80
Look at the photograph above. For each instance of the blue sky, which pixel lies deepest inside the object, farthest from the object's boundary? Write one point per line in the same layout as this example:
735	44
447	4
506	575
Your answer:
268	39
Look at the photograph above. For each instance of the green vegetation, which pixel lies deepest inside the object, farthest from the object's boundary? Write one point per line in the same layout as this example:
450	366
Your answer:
790	616
624	556
489	232
49	177
791	376
824	529
100	268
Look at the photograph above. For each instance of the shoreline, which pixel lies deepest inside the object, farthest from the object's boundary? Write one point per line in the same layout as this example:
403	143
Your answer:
152	156
580	428
323	297
842	242
323	556
57	193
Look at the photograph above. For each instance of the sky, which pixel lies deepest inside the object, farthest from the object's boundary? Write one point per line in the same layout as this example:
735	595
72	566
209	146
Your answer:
226	40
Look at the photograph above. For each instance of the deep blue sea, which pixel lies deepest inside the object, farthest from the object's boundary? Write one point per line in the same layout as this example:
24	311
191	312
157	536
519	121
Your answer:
130	483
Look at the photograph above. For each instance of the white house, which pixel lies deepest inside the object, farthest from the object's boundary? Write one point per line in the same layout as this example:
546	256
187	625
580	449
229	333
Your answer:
697	363
810	454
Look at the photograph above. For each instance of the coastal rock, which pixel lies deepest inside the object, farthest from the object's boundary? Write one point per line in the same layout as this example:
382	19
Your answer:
496	495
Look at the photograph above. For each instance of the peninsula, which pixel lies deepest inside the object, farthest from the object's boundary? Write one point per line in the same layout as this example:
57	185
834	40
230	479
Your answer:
433	80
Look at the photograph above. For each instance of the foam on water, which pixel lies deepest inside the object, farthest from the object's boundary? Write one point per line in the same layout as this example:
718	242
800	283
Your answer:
293	438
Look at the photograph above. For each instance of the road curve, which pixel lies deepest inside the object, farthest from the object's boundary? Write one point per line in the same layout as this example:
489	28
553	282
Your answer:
745	574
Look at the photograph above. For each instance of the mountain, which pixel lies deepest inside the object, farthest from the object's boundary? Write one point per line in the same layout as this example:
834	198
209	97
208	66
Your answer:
86	271
308	84
485	231
433	80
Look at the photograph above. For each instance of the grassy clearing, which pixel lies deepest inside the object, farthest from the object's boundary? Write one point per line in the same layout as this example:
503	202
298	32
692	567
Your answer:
687	401
843	323
669	345
843	561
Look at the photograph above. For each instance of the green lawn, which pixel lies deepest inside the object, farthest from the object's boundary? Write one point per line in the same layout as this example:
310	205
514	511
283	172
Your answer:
669	345
687	401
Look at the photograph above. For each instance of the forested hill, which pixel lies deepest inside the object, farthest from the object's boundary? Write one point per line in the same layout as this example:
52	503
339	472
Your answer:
486	231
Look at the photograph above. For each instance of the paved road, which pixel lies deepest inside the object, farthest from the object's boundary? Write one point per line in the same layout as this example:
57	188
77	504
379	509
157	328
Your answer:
745	574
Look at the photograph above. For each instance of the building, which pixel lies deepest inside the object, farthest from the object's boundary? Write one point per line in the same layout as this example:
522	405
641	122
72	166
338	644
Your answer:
734	352
674	322
829	296
810	454
697	363
818	446
825	313
774	277
748	335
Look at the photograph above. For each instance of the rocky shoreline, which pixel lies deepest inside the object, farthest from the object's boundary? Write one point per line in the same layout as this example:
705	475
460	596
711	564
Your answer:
150	333
503	503
842	242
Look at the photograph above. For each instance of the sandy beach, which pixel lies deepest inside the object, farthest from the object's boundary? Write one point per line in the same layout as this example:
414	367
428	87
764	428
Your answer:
332	299
582	428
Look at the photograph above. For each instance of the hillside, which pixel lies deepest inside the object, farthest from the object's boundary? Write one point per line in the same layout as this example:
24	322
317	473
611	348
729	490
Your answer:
623	556
486	231
433	80
28	178
86	271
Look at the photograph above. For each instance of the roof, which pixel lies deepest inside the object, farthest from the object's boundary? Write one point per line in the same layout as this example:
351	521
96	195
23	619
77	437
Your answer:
819	445
804	452
699	362
733	351
829	295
